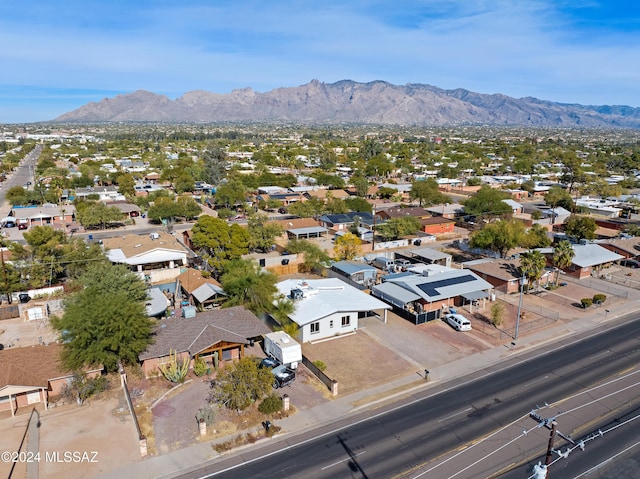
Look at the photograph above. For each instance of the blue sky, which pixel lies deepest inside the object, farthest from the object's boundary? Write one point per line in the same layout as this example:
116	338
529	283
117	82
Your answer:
57	56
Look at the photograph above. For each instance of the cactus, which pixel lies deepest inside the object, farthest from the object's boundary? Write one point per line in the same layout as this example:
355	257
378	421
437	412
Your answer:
174	371
215	359
199	367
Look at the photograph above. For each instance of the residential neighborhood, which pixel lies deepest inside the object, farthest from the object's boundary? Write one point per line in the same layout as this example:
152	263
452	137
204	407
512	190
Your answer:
143	281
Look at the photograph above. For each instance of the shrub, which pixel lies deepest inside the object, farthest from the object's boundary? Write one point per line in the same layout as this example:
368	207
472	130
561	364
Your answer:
270	405
199	367
586	302
320	365
206	414
474	181
497	313
599	298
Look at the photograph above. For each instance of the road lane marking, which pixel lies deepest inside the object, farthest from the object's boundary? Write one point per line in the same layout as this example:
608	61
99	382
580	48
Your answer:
536	381
340	462
456	414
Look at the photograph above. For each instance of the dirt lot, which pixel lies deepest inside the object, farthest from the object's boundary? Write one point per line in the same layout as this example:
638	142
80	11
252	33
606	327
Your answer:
99	427
18	333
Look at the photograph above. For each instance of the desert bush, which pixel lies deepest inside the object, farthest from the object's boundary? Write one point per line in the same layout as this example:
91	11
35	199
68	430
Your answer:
497	313
320	365
586	302
271	404
206	414
599	298
199	367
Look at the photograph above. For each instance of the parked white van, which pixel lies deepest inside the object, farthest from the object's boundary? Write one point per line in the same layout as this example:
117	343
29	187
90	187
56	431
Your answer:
459	322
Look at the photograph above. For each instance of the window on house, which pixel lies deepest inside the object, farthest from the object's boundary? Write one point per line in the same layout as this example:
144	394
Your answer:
346	321
331	323
315	327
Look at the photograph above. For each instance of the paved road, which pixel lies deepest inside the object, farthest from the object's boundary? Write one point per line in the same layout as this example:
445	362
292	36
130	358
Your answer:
22	174
613	455
403	441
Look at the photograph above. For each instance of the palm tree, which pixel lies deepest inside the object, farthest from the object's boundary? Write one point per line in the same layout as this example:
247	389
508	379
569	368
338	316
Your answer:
282	310
562	256
532	265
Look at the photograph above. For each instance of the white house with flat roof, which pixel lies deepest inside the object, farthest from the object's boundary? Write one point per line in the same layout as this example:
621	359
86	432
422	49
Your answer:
326	308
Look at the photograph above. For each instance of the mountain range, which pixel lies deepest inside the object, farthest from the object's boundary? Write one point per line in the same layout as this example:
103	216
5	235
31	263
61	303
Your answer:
347	101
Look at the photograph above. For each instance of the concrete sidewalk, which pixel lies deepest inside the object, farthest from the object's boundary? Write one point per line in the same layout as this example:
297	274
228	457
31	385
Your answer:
189	458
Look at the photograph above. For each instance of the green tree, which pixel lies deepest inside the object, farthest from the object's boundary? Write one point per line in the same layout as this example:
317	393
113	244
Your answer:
231	194
487	202
98	215
241	384
427	192
532	265
214	160
262	232
362	186
563	254
315	258
219	242
184	182
188	207
580	227
105	322
536	237
39	263
499	236
559	197
306	209
282	311
246	284
346	246
126	184
386	192
163	209
399	227
327	179
358	204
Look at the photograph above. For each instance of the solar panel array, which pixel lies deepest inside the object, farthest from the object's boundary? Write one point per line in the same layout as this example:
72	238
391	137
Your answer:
431	288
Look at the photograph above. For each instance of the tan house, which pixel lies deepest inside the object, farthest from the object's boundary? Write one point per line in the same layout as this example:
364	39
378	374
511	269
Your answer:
31	375
324	194
156	257
214	336
503	274
199	291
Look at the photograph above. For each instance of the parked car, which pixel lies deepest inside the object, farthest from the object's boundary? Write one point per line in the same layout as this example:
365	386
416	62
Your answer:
282	375
459	322
23	226
631	263
402	263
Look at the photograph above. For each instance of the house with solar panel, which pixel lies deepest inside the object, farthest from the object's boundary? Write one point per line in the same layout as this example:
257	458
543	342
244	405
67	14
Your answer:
424	297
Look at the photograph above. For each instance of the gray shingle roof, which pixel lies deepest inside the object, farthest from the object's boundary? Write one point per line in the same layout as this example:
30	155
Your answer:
207	328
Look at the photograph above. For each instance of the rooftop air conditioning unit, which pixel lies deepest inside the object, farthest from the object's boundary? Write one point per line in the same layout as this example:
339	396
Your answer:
296	294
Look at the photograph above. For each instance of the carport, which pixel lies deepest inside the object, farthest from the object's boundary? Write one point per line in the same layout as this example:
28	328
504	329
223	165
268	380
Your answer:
474	296
309	232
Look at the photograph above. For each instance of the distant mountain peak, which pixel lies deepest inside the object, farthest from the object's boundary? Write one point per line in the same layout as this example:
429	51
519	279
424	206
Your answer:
348	101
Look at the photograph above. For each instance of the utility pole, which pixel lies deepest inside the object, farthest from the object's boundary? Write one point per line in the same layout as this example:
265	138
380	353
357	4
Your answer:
373	238
552	438
515	335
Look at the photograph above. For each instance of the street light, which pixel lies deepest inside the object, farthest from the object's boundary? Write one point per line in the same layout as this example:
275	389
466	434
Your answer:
515	336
